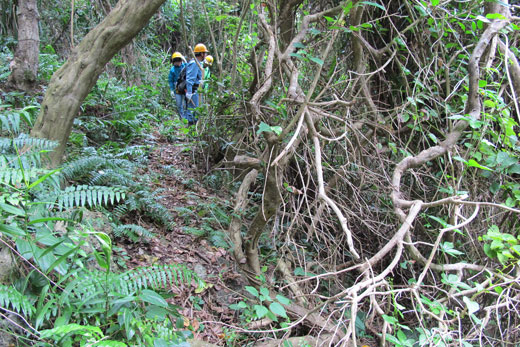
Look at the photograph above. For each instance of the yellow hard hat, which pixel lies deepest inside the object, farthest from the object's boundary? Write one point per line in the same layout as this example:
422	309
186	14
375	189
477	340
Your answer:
200	48
209	60
177	55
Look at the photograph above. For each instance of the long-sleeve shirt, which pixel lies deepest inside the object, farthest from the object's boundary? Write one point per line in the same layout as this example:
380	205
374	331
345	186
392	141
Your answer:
193	76
173	76
207	77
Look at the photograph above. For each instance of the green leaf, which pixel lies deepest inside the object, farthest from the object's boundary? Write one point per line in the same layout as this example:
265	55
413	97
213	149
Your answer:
101	260
61	259
474	163
401	335
434	2
43	178
252	290
70	328
317	60
459	158
48	219
489	103
298	45
263	128
261	311
278	309
277	130
389	319
283	300
264	291
495	16
448	248
393	340
472	306
296	55
43	312
12	209
11	230
109	343
375	4
153	298
329	19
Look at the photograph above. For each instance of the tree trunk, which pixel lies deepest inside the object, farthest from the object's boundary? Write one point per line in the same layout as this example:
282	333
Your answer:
71	84
24	66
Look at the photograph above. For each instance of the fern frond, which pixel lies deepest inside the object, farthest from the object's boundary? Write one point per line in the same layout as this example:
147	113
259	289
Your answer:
111	177
93	285
132	231
120	210
147	202
27	160
84	195
14	176
160	277
34	144
132	151
79	168
10	122
12	299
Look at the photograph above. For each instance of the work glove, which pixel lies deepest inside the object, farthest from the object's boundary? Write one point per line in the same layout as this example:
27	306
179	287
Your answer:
189	96
172	93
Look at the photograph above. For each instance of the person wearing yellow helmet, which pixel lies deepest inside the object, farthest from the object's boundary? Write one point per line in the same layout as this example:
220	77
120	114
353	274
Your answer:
178	63
193	80
208	61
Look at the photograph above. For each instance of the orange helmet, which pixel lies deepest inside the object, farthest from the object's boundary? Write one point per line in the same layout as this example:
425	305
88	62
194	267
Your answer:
200	48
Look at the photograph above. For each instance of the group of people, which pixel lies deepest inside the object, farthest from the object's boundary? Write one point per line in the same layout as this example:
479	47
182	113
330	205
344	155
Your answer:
184	85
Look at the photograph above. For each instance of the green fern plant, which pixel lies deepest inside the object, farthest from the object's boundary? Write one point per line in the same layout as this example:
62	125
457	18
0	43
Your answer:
132	231
88	284
11	121
11	298
146	202
11	145
112	177
89	166
84	195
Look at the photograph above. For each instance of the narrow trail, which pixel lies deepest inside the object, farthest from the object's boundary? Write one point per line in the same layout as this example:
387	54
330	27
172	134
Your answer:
213	264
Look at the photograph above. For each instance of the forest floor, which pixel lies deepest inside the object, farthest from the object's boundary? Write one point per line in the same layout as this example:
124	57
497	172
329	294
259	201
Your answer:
205	313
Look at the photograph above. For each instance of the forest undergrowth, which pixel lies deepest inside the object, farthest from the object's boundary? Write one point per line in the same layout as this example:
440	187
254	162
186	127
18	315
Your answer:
192	241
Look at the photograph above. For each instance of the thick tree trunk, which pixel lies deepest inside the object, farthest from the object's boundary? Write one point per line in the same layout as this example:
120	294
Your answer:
71	84
24	66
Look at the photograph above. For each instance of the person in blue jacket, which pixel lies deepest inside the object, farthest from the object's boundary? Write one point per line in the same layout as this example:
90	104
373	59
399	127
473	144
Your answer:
193	80
178	62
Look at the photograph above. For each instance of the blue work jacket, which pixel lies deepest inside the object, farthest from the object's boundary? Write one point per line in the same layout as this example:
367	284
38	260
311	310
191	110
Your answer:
173	76
193	77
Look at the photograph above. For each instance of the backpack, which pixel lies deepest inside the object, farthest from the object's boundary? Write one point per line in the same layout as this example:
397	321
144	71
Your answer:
181	82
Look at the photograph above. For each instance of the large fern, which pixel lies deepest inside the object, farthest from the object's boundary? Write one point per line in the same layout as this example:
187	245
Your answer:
12	299
87	167
9	145
93	285
10	122
147	203
132	231
112	177
84	195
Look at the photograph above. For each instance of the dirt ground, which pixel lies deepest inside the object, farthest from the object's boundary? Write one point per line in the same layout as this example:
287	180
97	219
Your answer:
206	313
